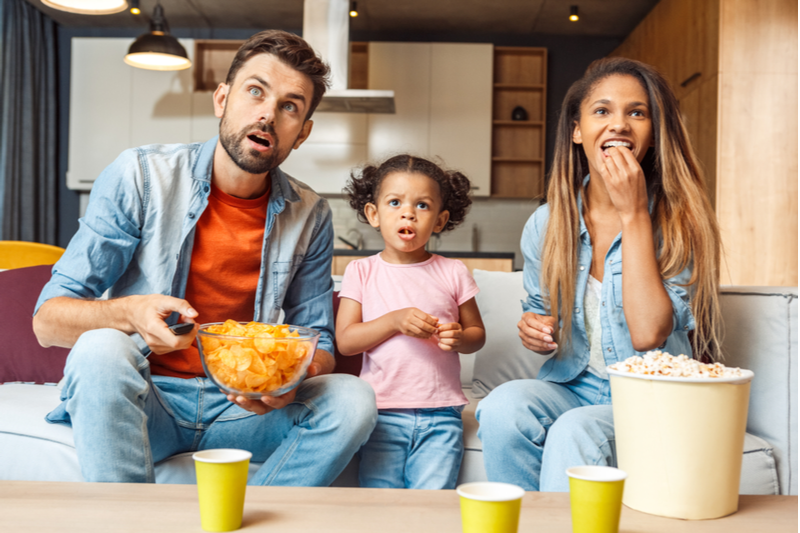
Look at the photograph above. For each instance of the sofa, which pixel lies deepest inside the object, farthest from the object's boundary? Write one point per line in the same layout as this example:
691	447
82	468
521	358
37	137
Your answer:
761	334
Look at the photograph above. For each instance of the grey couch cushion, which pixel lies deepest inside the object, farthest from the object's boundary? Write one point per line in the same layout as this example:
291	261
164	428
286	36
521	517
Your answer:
761	335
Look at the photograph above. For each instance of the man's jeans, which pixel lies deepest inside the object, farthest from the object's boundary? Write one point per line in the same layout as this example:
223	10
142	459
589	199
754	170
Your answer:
533	430
124	421
413	449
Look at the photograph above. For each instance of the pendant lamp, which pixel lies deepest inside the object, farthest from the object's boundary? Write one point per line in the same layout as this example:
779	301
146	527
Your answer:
158	50
88	7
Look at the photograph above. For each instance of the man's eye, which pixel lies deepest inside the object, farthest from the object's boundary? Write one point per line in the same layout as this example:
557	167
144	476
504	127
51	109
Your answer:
289	106
255	91
394	203
422	205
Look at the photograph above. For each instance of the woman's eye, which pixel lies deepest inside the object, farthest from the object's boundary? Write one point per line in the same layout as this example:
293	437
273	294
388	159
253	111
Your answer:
637	113
422	205
394	203
255	91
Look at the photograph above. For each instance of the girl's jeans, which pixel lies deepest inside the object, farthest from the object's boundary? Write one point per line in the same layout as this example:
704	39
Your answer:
413	449
533	430
124	420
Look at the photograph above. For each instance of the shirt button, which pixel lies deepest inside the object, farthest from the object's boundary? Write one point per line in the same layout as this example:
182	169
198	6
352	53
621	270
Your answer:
205	189
685	327
577	309
609	349
191	215
583	267
604	304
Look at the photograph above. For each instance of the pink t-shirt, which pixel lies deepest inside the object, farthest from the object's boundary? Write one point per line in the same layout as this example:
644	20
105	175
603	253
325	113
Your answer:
407	372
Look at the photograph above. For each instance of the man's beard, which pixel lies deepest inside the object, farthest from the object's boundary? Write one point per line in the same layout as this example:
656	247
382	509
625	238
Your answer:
248	159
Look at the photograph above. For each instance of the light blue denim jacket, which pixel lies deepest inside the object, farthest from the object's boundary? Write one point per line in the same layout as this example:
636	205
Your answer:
138	232
616	338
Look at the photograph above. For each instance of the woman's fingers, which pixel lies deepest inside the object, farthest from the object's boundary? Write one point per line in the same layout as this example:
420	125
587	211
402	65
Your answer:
536	332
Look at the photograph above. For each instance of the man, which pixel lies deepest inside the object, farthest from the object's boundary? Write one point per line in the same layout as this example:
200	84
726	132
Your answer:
202	233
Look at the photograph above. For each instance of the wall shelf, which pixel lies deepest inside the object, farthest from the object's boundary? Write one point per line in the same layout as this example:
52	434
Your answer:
520	79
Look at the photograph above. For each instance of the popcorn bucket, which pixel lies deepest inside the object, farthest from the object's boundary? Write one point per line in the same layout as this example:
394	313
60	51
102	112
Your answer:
681	441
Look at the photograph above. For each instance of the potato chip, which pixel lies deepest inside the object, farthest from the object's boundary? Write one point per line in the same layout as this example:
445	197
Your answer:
264	358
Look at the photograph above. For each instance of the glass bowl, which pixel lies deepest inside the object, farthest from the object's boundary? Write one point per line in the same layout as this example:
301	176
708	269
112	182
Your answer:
254	359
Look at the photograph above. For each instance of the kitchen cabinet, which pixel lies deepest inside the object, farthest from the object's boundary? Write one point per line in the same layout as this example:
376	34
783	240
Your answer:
443	102
114	106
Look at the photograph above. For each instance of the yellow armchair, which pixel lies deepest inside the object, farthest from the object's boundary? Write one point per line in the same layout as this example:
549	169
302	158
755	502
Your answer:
19	254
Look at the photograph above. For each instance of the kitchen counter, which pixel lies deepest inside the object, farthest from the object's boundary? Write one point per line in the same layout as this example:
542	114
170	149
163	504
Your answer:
499	261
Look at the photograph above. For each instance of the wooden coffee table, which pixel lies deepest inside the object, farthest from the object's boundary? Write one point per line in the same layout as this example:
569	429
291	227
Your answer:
105	507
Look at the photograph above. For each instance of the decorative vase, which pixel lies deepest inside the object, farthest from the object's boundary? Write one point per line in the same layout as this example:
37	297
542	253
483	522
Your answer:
519	113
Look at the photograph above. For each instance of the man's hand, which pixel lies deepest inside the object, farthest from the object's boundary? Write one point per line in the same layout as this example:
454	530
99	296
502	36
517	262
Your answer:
536	332
146	315
450	336
266	404
415	323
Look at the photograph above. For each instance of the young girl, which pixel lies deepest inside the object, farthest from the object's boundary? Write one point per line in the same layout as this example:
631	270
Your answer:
623	258
410	312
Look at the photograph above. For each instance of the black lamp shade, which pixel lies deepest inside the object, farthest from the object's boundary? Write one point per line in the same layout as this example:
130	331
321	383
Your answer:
157	49
158	44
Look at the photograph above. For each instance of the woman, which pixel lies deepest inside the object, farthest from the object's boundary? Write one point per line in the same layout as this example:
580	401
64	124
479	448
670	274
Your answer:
623	258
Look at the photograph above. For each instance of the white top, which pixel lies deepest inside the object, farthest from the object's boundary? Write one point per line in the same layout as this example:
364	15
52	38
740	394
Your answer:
591	317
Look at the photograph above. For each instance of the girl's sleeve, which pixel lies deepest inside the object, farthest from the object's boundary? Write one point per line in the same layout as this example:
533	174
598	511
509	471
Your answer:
681	294
352	282
466	288
531	245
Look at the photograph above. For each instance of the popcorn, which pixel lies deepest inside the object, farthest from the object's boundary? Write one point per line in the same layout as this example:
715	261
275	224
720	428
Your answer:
658	363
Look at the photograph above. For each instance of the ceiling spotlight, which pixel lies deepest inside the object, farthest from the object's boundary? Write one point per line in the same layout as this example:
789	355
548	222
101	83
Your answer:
133	6
88	7
573	13
353	9
158	50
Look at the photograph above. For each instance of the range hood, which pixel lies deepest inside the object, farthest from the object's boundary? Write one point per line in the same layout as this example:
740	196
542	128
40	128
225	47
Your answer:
326	27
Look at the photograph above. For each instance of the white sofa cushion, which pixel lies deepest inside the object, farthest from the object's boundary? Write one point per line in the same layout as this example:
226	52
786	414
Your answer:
503	358
761	335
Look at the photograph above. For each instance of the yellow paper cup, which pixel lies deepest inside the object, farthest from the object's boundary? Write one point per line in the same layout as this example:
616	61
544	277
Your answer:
221	484
488	507
595	494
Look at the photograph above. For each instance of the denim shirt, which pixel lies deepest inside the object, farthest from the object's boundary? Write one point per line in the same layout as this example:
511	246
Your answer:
616	338
138	232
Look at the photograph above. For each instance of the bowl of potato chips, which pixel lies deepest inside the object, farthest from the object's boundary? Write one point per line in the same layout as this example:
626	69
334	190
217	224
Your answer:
255	359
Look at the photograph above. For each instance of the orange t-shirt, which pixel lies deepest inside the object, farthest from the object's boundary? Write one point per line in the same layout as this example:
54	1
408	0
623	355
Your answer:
223	276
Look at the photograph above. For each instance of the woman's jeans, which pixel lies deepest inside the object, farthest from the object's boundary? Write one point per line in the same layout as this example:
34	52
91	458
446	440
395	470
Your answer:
413	449
124	420
533	430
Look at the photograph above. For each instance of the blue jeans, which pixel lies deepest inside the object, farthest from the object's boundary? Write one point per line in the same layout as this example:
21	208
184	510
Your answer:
124	420
533	430
413	449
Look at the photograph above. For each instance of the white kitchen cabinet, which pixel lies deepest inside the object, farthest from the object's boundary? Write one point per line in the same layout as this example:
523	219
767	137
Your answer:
114	106
443	99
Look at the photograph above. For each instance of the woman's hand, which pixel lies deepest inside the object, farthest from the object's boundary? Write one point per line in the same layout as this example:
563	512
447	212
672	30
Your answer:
625	182
536	332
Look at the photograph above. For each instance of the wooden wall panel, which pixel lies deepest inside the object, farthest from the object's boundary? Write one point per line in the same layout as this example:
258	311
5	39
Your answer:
757	186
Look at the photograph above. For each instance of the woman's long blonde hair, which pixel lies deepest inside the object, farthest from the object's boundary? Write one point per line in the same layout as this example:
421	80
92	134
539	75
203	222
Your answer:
684	225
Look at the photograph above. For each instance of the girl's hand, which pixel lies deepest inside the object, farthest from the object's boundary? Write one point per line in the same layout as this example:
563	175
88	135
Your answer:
536	332
415	323
625	182
450	336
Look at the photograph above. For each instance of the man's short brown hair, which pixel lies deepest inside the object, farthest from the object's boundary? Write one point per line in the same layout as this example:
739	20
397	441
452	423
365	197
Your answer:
293	51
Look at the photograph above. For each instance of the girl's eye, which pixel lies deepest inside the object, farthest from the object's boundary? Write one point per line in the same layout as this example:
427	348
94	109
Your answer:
600	111
255	91
422	205
394	203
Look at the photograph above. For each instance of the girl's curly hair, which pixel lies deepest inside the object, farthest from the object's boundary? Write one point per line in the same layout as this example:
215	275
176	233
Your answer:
454	187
